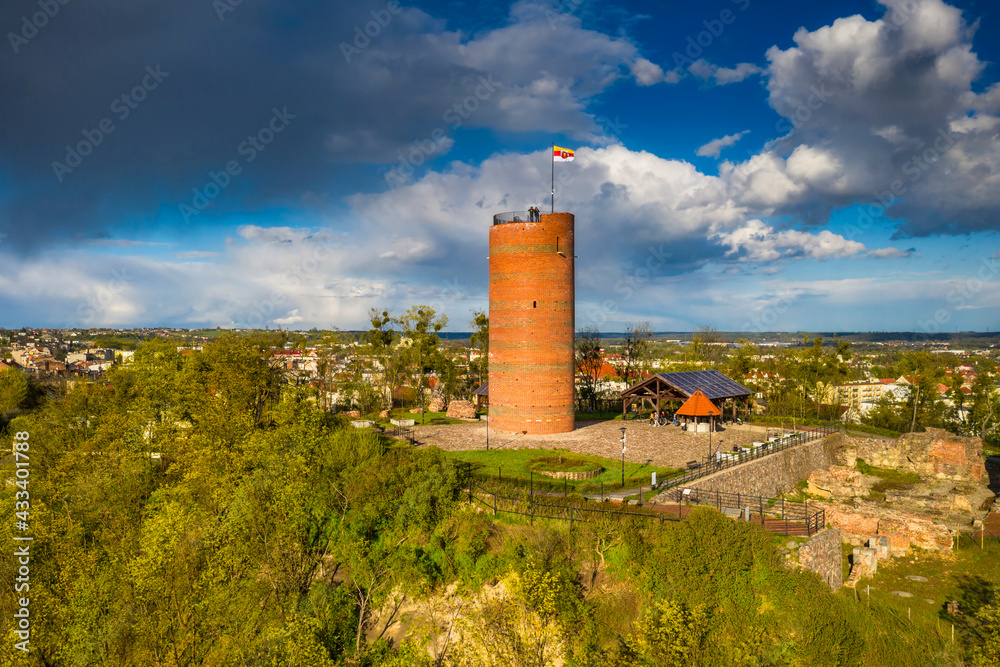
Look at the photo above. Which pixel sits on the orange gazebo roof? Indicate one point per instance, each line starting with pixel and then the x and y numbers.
pixel 698 406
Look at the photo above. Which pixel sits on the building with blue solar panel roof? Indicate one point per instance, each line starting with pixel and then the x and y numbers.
pixel 660 389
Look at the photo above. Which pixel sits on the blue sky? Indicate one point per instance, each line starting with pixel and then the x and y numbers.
pixel 743 164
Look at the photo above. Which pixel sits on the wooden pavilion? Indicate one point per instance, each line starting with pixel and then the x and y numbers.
pixel 699 406
pixel 482 394
pixel 663 388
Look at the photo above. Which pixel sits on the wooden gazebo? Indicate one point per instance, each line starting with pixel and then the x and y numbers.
pixel 699 406
pixel 665 387
pixel 482 394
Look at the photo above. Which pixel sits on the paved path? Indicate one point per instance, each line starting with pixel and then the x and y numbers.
pixel 616 496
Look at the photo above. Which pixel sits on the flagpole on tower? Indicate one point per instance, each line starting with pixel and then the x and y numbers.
pixel 552 160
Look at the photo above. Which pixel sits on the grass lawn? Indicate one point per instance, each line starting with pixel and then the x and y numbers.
pixel 512 465
pixel 967 577
pixel 891 479
pixel 563 463
pixel 429 418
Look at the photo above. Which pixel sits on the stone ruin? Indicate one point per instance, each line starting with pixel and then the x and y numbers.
pixel 462 410
pixel 935 454
pixel 864 560
pixel 952 491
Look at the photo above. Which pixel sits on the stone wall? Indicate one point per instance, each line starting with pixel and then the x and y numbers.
pixel 935 454
pixel 577 476
pixel 822 555
pixel 859 522
pixel 774 474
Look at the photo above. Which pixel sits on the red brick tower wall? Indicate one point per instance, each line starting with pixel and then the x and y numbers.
pixel 532 324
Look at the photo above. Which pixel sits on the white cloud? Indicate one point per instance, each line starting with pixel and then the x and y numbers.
pixel 292 317
pixel 760 242
pixel 195 254
pixel 705 70
pixel 870 104
pixel 715 146
pixel 891 253
pixel 648 73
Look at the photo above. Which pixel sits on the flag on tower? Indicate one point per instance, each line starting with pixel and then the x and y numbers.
pixel 562 154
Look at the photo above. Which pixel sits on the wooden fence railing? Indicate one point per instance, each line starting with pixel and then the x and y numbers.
pixel 775 514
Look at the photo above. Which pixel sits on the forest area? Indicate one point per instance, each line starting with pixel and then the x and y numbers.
pixel 271 532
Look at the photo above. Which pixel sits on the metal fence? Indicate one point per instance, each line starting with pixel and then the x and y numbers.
pixel 405 433
pixel 534 506
pixel 722 460
pixel 511 216
pixel 775 514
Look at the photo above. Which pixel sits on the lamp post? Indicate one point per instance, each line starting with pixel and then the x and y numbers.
pixel 623 457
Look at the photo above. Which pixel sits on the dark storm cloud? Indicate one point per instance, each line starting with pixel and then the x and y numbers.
pixel 139 142
pixel 90 139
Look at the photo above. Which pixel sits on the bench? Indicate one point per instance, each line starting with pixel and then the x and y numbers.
pixel 693 465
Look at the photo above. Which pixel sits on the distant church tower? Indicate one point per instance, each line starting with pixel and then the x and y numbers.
pixel 532 323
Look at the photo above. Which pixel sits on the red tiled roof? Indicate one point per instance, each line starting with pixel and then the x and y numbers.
pixel 698 406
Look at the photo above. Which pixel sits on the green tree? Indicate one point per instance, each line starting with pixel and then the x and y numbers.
pixel 635 351
pixel 706 343
pixel 589 362
pixel 382 342
pixel 421 324
pixel 480 341
pixel 985 406
pixel 516 628
pixel 13 391
pixel 672 635
pixel 987 653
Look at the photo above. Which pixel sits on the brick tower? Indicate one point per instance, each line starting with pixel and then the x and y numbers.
pixel 532 323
